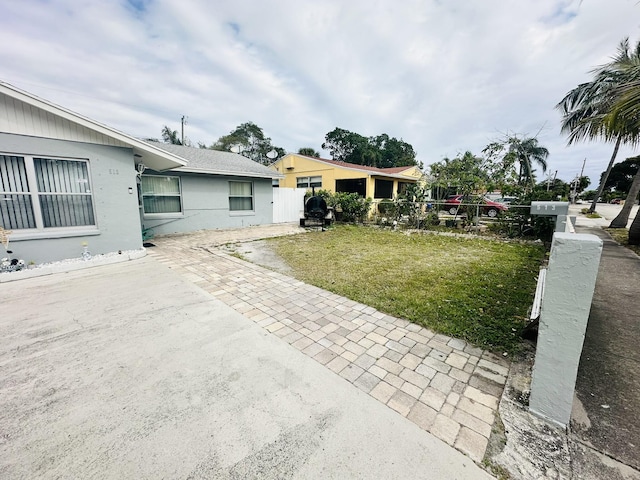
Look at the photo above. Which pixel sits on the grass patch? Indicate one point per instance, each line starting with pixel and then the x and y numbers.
pixel 621 235
pixel 470 288
pixel 585 212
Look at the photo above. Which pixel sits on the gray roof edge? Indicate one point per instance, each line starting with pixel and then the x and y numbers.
pixel 230 173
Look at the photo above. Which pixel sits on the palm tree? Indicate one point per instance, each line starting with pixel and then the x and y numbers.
pixel 627 109
pixel 309 152
pixel 527 151
pixel 523 151
pixel 623 217
pixel 634 231
pixel 587 109
pixel 170 136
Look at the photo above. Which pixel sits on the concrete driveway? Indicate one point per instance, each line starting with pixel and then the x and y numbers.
pixel 131 371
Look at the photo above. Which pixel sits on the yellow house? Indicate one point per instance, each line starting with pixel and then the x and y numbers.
pixel 301 171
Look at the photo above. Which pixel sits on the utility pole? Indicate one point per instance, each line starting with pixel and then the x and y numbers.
pixel 549 180
pixel 576 182
pixel 183 122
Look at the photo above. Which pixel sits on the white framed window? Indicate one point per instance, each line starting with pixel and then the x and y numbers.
pixel 42 194
pixel 241 196
pixel 308 182
pixel 161 195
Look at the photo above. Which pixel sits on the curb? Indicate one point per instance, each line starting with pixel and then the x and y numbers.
pixel 71 266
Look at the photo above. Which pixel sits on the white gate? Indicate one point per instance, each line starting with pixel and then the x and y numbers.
pixel 288 204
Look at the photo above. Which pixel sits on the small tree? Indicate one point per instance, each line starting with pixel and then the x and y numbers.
pixel 466 174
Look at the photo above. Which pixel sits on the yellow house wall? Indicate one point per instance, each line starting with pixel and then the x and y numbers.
pixel 413 172
pixel 307 167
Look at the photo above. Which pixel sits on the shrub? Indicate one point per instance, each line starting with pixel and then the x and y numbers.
pixel 351 206
pixel 387 207
pixel 512 224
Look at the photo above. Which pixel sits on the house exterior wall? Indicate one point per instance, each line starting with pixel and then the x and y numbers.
pixel 293 166
pixel 413 171
pixel 20 118
pixel 300 166
pixel 112 175
pixel 205 200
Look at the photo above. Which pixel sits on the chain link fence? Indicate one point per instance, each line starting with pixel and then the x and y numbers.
pixel 510 221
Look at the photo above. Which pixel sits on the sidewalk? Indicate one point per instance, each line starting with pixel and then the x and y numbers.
pixel 607 407
pixel 603 438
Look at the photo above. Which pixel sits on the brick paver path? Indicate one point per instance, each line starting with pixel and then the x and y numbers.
pixel 443 385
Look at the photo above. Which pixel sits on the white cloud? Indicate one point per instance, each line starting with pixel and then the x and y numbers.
pixel 445 76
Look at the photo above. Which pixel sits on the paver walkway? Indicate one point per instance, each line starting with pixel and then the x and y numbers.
pixel 443 385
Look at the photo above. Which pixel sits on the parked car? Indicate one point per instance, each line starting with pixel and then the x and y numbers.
pixel 487 207
pixel 505 200
pixel 615 201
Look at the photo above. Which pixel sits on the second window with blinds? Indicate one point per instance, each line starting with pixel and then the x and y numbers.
pixel 241 197
pixel 161 195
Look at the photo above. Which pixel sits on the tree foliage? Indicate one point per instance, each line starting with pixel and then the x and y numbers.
pixel 607 106
pixel 379 151
pixel 465 174
pixel 513 158
pixel 621 175
pixel 251 141
pixel 170 136
pixel 309 152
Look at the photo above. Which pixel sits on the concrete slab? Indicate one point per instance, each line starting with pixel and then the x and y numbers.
pixel 130 371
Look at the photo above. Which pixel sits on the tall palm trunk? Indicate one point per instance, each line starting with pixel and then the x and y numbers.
pixel 623 217
pixel 634 231
pixel 606 175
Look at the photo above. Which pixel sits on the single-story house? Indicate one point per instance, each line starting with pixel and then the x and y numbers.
pixel 67 181
pixel 301 171
pixel 213 190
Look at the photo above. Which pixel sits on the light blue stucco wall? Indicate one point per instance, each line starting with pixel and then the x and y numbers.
pixel 206 205
pixel 112 174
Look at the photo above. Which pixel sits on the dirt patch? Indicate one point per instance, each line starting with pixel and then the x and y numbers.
pixel 258 252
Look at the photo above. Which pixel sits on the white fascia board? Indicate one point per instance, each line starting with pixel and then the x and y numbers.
pixel 170 160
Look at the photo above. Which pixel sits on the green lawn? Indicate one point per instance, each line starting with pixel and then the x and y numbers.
pixel 470 288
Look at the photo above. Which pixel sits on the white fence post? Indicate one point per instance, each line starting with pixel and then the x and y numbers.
pixel 570 283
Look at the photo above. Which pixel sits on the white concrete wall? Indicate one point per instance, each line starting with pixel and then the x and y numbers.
pixel 570 283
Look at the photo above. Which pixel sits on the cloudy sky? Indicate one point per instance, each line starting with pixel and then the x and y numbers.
pixel 444 75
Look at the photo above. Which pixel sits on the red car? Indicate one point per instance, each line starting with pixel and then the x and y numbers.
pixel 487 207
